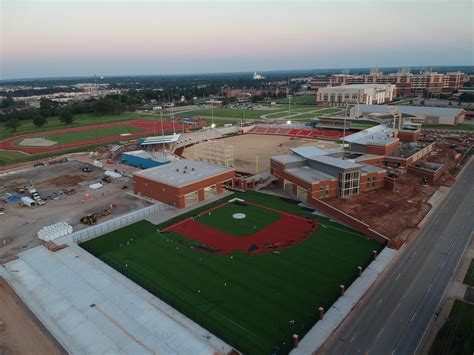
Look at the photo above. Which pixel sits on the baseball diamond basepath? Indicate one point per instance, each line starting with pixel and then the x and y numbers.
pixel 253 301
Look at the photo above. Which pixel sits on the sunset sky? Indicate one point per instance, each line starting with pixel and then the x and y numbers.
pixel 76 38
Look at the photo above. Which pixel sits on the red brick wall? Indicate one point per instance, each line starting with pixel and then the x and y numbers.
pixel 383 150
pixel 379 181
pixel 431 175
pixel 409 136
pixel 173 195
pixel 349 220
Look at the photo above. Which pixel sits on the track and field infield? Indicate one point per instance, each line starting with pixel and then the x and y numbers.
pixel 88 135
pixel 253 301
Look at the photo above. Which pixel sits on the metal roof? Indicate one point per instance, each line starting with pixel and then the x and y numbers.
pixel 376 134
pixel 161 139
pixel 307 152
pixel 287 158
pixel 372 169
pixel 183 172
pixel 335 162
pixel 412 110
pixel 308 174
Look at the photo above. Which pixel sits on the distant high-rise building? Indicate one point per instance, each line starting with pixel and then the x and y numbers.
pixel 406 83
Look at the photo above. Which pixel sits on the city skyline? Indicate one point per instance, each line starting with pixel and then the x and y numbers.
pixel 57 39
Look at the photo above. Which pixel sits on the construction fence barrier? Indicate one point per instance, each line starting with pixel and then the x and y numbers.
pixel 91 232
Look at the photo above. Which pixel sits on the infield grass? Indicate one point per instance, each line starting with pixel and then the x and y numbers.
pixel 253 302
pixel 256 218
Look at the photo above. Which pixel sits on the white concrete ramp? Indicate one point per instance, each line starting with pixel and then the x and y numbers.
pixel 92 309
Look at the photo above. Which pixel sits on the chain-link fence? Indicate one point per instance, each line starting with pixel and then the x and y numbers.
pixel 88 233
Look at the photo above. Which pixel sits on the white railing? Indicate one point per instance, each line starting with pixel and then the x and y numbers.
pixel 91 232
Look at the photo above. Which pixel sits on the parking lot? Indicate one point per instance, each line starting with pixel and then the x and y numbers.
pixel 20 224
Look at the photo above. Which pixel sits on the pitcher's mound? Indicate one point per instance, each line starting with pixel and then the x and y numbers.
pixel 37 142
pixel 239 215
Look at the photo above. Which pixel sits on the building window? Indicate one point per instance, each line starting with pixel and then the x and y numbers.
pixel 327 190
pixel 348 184
pixel 321 192
pixel 374 181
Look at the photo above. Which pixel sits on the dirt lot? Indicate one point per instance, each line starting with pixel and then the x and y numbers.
pixel 395 214
pixel 20 331
pixel 248 146
pixel 21 224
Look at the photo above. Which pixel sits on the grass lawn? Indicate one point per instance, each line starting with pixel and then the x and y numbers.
pixel 79 121
pixel 253 302
pixel 9 157
pixel 232 113
pixel 256 219
pixel 456 335
pixel 300 100
pixel 72 137
pixel 469 278
pixel 459 127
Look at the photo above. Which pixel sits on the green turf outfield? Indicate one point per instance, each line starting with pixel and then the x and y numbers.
pixel 79 136
pixel 256 218
pixel 253 302
pixel 9 157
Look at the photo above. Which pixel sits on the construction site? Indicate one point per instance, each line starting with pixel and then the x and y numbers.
pixel 66 196
pixel 380 183
pixel 252 152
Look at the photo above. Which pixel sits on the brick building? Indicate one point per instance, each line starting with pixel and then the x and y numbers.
pixel 406 84
pixel 362 93
pixel 312 173
pixel 183 182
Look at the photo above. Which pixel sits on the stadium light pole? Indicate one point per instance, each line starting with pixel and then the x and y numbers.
pixel 172 117
pixel 161 120
pixel 212 114
pixel 289 107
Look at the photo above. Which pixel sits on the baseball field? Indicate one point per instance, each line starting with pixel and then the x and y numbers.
pixel 253 281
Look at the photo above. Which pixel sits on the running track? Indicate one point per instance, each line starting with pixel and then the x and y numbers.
pixel 150 128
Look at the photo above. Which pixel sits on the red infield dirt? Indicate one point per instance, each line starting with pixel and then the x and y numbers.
pixel 151 128
pixel 285 232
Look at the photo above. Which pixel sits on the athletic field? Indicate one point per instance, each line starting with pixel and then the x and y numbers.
pixel 253 282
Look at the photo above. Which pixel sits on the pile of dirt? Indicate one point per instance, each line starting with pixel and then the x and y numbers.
pixel 394 214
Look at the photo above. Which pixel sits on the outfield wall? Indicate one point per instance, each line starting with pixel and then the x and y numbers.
pixel 91 232
pixel 349 220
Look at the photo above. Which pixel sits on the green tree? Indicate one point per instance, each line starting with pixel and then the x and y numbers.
pixel 66 116
pixel 7 102
pixel 48 107
pixel 13 123
pixel 39 120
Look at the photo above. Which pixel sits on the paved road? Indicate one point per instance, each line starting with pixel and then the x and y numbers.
pixel 393 317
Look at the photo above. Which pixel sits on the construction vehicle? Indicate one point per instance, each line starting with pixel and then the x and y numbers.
pixel 90 219
pixel 107 179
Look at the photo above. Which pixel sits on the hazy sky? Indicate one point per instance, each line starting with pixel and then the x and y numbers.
pixel 42 38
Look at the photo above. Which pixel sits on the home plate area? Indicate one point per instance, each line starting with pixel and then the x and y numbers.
pixel 243 225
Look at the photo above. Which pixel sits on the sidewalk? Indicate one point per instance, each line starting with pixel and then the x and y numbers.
pixel 456 290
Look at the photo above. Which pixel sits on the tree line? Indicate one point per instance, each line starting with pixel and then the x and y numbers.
pixel 13 117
